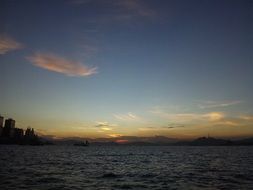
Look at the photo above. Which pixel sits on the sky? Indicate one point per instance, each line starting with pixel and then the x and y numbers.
pixel 96 68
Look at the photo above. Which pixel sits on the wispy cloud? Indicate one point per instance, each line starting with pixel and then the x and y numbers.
pixel 216 104
pixel 58 64
pixel 246 117
pixel 173 126
pixel 188 117
pixel 105 126
pixel 8 44
pixel 197 120
pixel 228 122
pixel 127 117
pixel 213 116
pixel 115 135
pixel 234 121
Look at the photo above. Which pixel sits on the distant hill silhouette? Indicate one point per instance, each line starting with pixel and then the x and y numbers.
pixel 210 141
pixel 154 141
pixel 248 141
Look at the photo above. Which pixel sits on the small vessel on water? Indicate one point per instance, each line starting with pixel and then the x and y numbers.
pixel 86 143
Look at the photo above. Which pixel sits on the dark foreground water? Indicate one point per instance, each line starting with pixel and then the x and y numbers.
pixel 125 167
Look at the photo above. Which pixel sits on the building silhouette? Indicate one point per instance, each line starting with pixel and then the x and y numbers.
pixel 30 137
pixel 8 130
pixel 1 124
pixel 29 132
pixel 9 134
pixel 9 123
pixel 18 133
pixel 1 121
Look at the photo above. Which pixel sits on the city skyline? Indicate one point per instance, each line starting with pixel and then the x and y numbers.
pixel 93 68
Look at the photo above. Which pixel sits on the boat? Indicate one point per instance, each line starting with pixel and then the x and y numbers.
pixel 86 143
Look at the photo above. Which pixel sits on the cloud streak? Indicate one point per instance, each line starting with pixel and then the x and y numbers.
pixel 127 117
pixel 189 117
pixel 105 126
pixel 214 104
pixel 246 117
pixel 58 64
pixel 208 119
pixel 173 126
pixel 8 44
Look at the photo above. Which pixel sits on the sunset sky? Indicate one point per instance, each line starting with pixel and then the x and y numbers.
pixel 108 68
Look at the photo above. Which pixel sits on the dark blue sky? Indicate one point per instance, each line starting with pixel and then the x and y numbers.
pixel 128 67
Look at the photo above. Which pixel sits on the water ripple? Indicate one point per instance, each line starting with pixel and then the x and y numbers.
pixel 133 167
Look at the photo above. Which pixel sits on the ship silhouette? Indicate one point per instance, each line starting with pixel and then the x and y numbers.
pixel 86 143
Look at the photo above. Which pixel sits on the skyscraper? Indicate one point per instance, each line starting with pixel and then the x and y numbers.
pixel 9 123
pixel 9 126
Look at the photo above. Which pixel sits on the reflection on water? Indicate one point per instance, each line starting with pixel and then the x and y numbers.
pixel 125 167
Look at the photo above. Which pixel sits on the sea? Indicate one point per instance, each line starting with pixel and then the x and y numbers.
pixel 125 167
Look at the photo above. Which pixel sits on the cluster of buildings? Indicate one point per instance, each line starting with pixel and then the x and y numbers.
pixel 10 134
